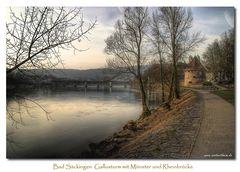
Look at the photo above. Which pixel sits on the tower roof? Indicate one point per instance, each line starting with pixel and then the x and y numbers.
pixel 195 64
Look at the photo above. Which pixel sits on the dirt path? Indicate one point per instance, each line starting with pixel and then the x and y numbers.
pixel 216 137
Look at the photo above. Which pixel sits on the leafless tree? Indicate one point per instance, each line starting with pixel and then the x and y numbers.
pixel 159 47
pixel 35 36
pixel 127 44
pixel 212 57
pixel 228 51
pixel 219 57
pixel 34 40
pixel 175 24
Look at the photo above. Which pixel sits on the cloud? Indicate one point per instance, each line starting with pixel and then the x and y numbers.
pixel 104 15
pixel 94 57
pixel 229 17
pixel 210 21
pixel 213 20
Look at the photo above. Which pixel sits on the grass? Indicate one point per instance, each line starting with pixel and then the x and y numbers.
pixel 227 95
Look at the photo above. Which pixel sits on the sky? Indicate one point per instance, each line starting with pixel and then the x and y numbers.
pixel 210 21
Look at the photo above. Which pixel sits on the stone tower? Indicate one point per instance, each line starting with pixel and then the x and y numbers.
pixel 194 74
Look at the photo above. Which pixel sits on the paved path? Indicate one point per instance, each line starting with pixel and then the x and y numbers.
pixel 216 137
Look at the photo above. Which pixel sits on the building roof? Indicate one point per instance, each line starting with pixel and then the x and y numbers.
pixel 195 64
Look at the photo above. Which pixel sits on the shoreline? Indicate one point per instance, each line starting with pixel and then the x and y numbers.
pixel 166 134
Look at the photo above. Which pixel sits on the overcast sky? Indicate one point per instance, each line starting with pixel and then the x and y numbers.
pixel 211 21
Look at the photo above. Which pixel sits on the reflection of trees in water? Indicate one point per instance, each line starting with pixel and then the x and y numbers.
pixel 17 107
pixel 21 105
pixel 34 39
pixel 12 144
pixel 153 98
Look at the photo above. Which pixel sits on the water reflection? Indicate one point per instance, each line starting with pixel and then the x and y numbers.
pixel 79 118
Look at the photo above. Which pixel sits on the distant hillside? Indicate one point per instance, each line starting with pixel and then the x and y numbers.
pixel 73 74
pixel 90 74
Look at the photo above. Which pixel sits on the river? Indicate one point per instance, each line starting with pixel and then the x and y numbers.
pixel 75 119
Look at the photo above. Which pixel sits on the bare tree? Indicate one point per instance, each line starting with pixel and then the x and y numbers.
pixel 159 47
pixel 227 44
pixel 212 57
pixel 219 57
pixel 126 44
pixel 34 39
pixel 175 24
pixel 36 36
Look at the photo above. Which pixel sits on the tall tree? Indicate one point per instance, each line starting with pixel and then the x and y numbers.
pixel 159 47
pixel 175 24
pixel 212 57
pixel 220 57
pixel 36 36
pixel 127 46
pixel 227 44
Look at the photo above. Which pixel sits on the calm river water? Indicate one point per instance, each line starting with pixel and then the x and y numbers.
pixel 78 118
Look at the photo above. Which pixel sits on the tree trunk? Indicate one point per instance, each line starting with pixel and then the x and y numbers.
pixel 175 72
pixel 161 75
pixel 176 83
pixel 174 55
pixel 170 96
pixel 163 94
pixel 145 110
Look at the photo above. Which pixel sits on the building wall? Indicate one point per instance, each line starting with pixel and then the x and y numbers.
pixel 193 77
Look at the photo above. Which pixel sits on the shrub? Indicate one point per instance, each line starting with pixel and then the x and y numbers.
pixel 207 83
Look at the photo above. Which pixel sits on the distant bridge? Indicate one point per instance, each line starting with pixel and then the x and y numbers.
pixel 85 84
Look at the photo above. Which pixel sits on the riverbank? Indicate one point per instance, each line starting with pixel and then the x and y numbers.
pixel 166 134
